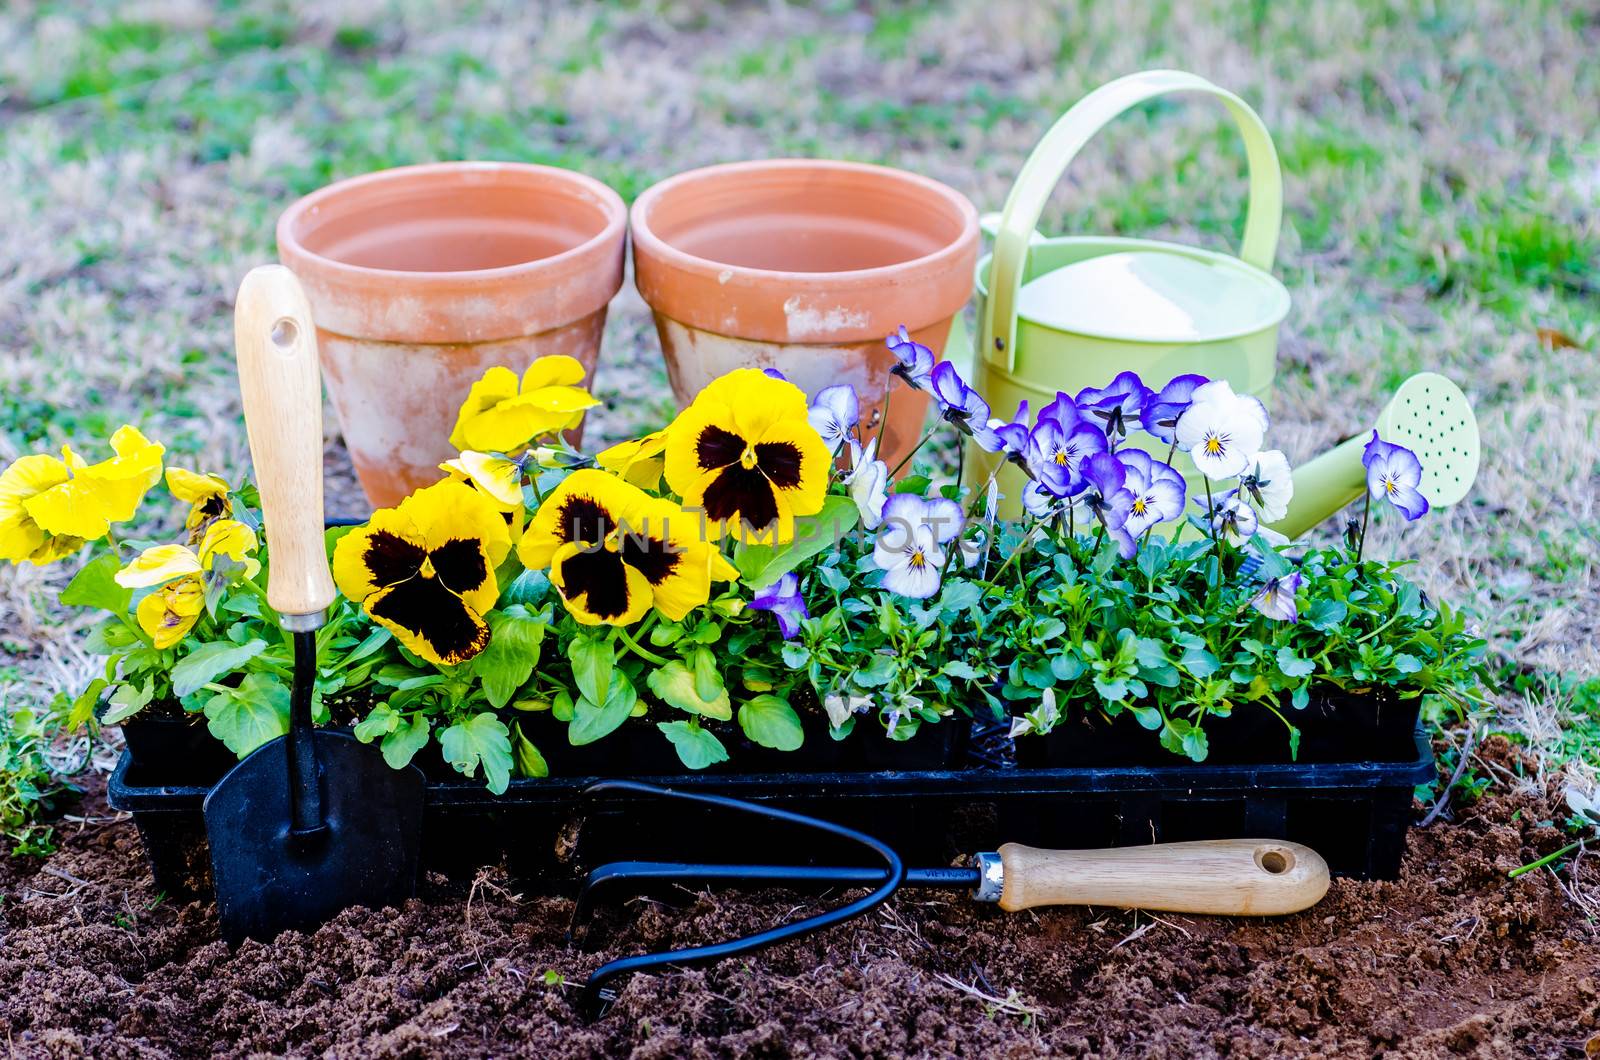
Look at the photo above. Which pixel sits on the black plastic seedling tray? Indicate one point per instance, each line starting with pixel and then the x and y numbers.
pixel 548 833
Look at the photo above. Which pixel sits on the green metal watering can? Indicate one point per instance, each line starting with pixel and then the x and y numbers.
pixel 1061 314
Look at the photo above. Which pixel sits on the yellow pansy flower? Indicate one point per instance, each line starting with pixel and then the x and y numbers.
pixel 639 461
pixel 500 416
pixel 49 507
pixel 206 494
pixel 424 570
pixel 160 564
pixel 614 551
pixel 169 613
pixel 745 453
pixel 22 539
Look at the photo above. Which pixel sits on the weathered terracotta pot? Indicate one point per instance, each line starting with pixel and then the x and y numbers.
pixel 423 277
pixel 804 266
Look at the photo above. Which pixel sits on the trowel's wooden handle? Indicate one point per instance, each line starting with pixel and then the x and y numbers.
pixel 281 383
pixel 1231 877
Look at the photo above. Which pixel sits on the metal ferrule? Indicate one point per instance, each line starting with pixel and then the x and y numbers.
pixel 303 623
pixel 991 878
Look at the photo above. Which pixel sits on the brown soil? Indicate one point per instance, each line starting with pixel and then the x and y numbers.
pixel 1453 959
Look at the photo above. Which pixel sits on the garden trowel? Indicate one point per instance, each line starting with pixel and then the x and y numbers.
pixel 313 821
pixel 1428 415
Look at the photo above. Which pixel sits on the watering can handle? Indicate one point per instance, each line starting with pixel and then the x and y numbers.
pixel 280 381
pixel 1049 160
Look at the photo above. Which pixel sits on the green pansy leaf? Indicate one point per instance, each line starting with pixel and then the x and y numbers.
pixel 507 663
pixel 83 707
pixel 771 722
pixel 1149 717
pixel 1405 663
pixel 696 747
pixel 707 681
pixel 1293 665
pixel 126 701
pixel 761 565
pixel 96 586
pixel 402 745
pixel 591 722
pixel 380 722
pixel 878 672
pixel 482 740
pixel 246 717
pixel 675 685
pixel 110 637
pixel 593 659
pixel 957 668
pixel 1324 616
pixel 530 763
pixel 1066 666
pixel 210 661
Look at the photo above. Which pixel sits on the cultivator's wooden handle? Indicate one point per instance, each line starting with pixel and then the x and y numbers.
pixel 1230 877
pixel 281 383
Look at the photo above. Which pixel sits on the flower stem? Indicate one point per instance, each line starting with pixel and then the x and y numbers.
pixel 1546 860
pixel 883 413
pixel 633 646
pixel 1366 512
pixel 1216 541
pixel 907 458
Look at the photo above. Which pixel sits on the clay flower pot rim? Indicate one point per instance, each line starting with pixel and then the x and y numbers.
pixel 606 199
pixel 644 237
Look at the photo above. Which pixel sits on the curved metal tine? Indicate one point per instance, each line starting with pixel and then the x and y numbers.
pixel 597 996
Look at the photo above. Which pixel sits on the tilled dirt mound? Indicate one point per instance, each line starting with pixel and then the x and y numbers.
pixel 1453 959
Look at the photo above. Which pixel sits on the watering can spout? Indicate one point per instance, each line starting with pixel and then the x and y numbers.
pixel 1323 485
pixel 1428 415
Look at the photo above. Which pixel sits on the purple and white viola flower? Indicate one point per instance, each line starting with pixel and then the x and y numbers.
pixel 1230 516
pixel 1268 485
pixel 1221 430
pixel 916 360
pixel 907 707
pixel 1161 412
pixel 834 414
pixel 1117 407
pixel 910 545
pixel 869 485
pixel 1155 488
pixel 958 402
pixel 1393 474
pixel 1000 436
pixel 1056 454
pixel 1040 502
pixel 1276 598
pixel 1107 499
pixel 783 599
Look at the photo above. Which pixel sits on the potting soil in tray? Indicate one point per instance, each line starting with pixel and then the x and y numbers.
pixel 548 834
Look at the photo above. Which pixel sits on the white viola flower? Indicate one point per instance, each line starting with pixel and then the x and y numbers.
pixel 869 485
pixel 1221 430
pixel 840 708
pixel 1041 720
pixel 834 413
pixel 1268 484
pixel 910 545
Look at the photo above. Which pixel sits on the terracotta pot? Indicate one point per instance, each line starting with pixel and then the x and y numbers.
pixel 804 266
pixel 423 277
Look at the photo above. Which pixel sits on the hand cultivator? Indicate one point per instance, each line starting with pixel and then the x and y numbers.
pixel 1226 877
